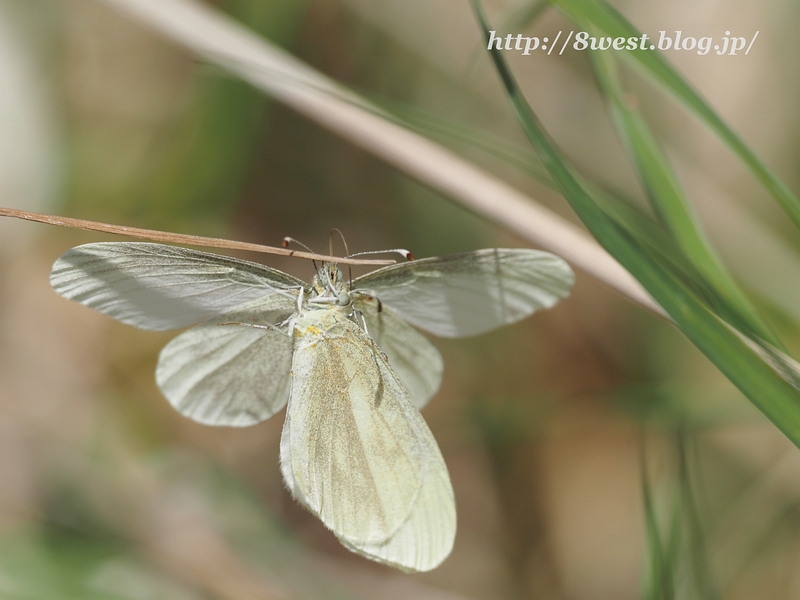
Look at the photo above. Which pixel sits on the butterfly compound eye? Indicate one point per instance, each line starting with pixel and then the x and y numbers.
pixel 343 299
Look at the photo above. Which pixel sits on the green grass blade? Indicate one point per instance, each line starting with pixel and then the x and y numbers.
pixel 597 14
pixel 646 230
pixel 698 552
pixel 770 390
pixel 525 160
pixel 660 584
pixel 671 204
pixel 675 536
pixel 524 15
pixel 458 135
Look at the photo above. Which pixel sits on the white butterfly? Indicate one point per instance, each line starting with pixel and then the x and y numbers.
pixel 354 449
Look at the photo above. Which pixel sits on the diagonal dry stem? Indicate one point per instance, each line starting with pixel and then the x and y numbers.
pixel 221 40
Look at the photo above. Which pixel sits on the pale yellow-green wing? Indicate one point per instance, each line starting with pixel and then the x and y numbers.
pixel 355 450
pixel 466 294
pixel 159 287
pixel 354 456
pixel 415 361
pixel 426 538
pixel 229 374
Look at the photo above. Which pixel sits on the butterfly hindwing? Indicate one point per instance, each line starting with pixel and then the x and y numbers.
pixel 229 374
pixel 415 361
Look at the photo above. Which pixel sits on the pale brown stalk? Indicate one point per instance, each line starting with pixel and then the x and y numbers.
pixel 180 238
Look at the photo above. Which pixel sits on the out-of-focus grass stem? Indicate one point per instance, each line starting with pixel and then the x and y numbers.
pixel 217 38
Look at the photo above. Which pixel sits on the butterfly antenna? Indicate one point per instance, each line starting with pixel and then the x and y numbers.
pixel 290 240
pixel 346 253
pixel 404 253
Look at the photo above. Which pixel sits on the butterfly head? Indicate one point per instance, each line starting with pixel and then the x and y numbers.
pixel 330 284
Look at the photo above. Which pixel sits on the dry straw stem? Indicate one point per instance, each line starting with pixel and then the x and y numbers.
pixel 180 238
pixel 221 40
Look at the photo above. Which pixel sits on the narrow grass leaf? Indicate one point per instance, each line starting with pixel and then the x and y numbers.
pixel 600 16
pixel 523 15
pixel 670 202
pixel 459 135
pixel 702 576
pixel 660 577
pixel 771 391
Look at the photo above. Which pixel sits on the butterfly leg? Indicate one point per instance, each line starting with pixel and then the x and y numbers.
pixel 254 326
pixel 358 317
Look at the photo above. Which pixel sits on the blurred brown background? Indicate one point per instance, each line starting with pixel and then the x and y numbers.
pixel 565 435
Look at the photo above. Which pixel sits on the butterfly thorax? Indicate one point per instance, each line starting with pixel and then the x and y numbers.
pixel 314 324
pixel 328 304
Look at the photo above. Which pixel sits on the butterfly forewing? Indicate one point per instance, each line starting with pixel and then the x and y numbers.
pixel 415 361
pixel 426 538
pixel 286 456
pixel 229 374
pixel 358 448
pixel 466 294
pixel 159 287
